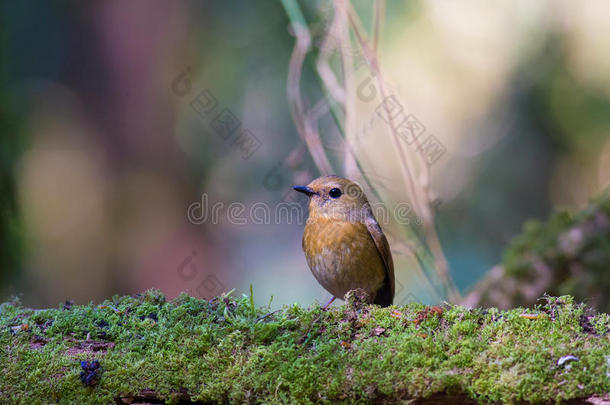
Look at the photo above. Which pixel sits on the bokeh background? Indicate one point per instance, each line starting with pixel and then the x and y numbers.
pixel 102 151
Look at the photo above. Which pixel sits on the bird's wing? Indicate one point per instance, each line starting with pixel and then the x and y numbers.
pixel 383 247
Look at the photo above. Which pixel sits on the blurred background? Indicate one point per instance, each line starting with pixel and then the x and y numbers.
pixel 125 123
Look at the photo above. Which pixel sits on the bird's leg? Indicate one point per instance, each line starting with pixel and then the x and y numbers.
pixel 325 307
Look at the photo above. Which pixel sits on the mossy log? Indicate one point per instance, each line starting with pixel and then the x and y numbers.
pixel 144 349
pixel 567 254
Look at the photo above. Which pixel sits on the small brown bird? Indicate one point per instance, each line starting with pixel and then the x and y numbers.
pixel 344 245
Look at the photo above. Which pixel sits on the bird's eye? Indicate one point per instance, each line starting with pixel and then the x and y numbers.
pixel 334 193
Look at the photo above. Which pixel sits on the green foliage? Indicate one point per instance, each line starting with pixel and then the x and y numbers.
pixel 228 351
pixel 571 250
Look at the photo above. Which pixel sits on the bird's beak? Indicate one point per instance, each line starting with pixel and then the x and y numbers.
pixel 305 190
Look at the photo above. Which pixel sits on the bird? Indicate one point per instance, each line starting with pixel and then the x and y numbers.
pixel 344 245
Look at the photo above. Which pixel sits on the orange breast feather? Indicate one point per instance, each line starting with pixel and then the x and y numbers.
pixel 342 256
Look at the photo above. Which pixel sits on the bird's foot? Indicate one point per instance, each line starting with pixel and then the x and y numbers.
pixel 325 307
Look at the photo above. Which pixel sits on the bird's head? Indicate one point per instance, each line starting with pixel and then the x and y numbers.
pixel 335 197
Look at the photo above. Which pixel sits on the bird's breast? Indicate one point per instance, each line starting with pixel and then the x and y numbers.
pixel 342 256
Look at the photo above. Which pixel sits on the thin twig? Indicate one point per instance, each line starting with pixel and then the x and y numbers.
pixel 260 318
pixel 308 132
pixel 407 170
pixel 378 18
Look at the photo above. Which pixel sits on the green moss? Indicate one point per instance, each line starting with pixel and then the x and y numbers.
pixel 228 351
pixel 573 248
pixel 566 255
